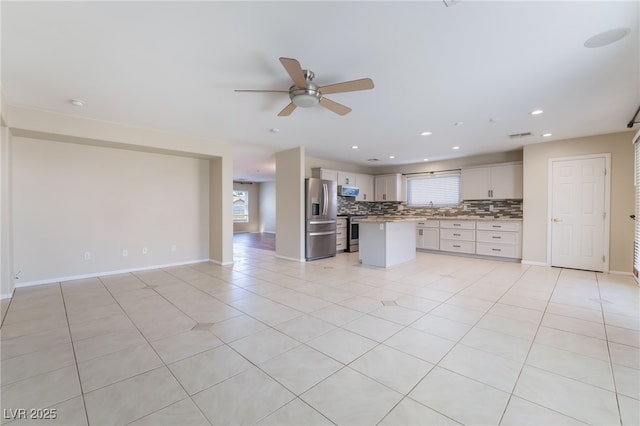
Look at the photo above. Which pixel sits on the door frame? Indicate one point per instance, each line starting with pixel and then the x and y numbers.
pixel 607 201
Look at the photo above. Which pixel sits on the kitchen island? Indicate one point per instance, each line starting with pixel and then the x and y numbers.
pixel 386 242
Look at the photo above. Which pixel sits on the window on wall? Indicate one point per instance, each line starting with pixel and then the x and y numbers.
pixel 240 206
pixel 434 189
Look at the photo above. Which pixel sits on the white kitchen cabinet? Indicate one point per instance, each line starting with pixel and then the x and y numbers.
pixel 495 182
pixel 322 173
pixel 341 234
pixel 428 235
pixel 499 238
pixel 388 187
pixel 365 184
pixel 346 178
pixel 458 236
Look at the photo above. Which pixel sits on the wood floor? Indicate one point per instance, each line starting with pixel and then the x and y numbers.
pixel 258 240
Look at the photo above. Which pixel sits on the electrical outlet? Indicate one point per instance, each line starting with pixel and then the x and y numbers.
pixel 174 248
pixel 490 207
pixel 87 255
pixel 145 250
pixel 125 253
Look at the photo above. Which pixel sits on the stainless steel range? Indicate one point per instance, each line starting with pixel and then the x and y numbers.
pixel 353 233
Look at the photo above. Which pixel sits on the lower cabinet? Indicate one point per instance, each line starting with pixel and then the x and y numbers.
pixel 458 236
pixel 428 235
pixel 499 239
pixel 341 235
pixel 485 238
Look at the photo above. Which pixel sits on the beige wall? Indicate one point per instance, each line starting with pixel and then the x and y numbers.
pixel 290 169
pixel 69 199
pixel 216 156
pixel 535 203
pixel 254 207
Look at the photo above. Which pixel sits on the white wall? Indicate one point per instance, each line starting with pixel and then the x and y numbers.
pixel 6 227
pixel 535 198
pixel 268 207
pixel 69 199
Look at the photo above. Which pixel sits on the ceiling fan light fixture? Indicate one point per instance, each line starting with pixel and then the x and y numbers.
pixel 606 38
pixel 306 100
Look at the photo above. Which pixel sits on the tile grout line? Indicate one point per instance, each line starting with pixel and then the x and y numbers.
pixel 75 357
pixel 524 362
pixel 613 375
pixel 154 350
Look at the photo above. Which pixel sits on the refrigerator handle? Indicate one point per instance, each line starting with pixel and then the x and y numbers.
pixel 325 199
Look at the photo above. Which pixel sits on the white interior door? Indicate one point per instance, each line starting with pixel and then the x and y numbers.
pixel 578 213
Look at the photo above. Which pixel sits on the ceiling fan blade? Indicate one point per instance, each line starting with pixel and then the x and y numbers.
pixel 287 110
pixel 261 91
pixel 348 86
pixel 334 106
pixel 295 71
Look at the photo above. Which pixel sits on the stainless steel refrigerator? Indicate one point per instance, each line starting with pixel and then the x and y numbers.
pixel 321 208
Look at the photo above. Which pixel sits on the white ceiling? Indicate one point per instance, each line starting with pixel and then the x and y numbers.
pixel 173 66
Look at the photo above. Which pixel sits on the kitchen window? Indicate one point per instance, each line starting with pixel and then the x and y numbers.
pixel 241 206
pixel 434 189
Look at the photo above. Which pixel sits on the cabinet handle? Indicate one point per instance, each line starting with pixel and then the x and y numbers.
pixel 364 197
pixel 456 246
pixel 496 249
pixel 456 235
pixel 456 224
pixel 497 238
pixel 420 232
pixel 384 196
pixel 489 193
pixel 496 226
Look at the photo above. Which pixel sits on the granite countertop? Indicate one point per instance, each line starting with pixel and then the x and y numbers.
pixel 424 218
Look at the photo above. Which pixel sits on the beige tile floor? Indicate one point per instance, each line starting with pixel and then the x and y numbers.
pixel 441 340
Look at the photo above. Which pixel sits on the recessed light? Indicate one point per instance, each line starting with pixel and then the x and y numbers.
pixel 425 133
pixel 77 102
pixel 536 112
pixel 458 123
pixel 606 38
pixel 426 159
pixel 546 135
pixel 274 130
pixel 455 147
pixel 354 147
pixel 392 157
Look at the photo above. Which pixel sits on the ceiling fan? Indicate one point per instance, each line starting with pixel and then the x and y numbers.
pixel 305 93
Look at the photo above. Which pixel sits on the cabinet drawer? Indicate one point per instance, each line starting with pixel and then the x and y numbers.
pixel 341 233
pixel 341 244
pixel 341 223
pixel 502 250
pixel 498 226
pixel 497 237
pixel 457 234
pixel 428 224
pixel 458 224
pixel 458 246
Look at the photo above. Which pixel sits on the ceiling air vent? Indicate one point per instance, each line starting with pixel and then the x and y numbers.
pixel 520 135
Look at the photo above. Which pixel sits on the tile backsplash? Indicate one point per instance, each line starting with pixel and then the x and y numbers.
pixel 476 208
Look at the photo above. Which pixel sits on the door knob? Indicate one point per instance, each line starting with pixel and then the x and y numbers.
pixel 555 219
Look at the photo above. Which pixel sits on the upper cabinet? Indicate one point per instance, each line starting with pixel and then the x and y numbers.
pixel 328 174
pixel 494 182
pixel 346 178
pixel 388 187
pixel 365 183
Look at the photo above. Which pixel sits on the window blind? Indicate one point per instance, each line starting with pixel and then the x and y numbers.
pixel 439 189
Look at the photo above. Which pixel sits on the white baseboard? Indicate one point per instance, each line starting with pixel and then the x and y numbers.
pixel 293 259
pixel 529 262
pixel 217 262
pixel 105 273
pixel 629 274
